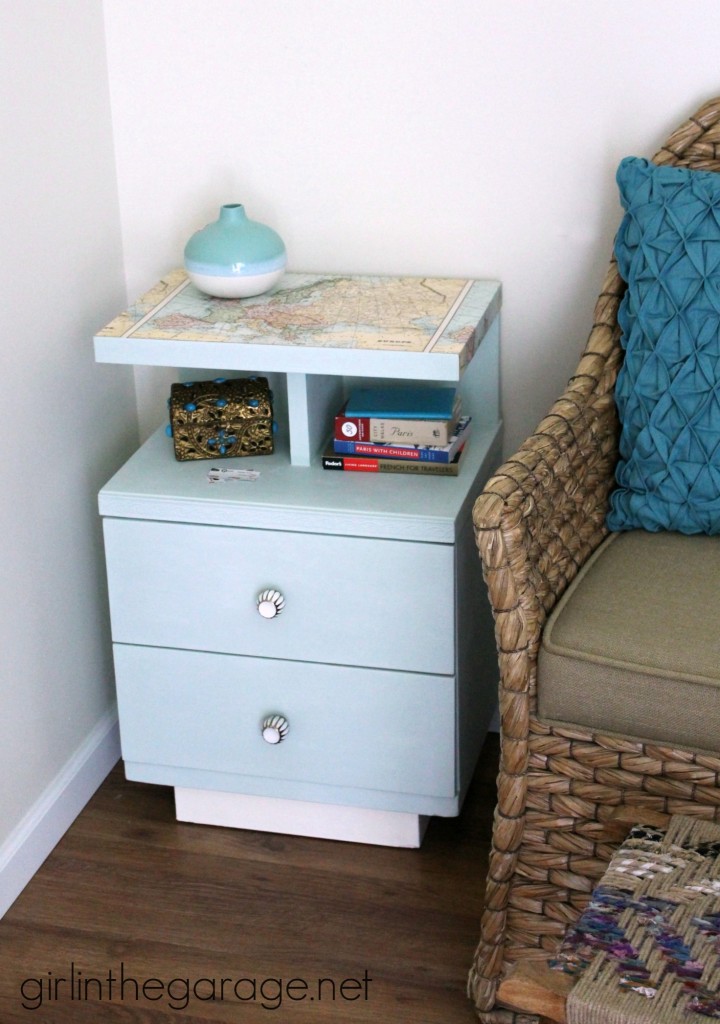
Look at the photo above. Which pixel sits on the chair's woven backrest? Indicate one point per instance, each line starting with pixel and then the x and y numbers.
pixel 543 512
pixel 696 143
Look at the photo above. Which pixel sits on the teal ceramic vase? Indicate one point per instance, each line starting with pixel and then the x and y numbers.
pixel 235 257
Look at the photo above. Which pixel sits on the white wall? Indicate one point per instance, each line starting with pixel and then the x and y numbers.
pixel 67 423
pixel 467 137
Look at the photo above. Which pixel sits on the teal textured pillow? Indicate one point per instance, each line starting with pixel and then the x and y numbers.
pixel 668 388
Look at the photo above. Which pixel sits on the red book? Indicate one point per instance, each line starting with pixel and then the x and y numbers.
pixel 383 430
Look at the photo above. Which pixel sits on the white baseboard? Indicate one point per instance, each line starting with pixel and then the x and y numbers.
pixel 54 812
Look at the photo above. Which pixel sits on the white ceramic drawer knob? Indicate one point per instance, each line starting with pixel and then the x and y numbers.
pixel 270 603
pixel 275 728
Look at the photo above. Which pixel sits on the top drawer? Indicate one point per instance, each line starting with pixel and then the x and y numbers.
pixel 348 600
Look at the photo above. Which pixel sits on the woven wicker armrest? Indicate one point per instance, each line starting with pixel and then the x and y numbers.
pixel 542 514
pixel 537 520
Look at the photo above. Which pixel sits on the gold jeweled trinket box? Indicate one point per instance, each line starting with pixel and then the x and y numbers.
pixel 221 418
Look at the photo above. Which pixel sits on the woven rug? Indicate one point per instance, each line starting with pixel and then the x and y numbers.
pixel 647 949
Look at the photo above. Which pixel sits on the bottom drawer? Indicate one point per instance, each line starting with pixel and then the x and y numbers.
pixel 362 728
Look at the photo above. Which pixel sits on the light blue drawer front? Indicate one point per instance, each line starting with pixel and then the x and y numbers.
pixel 348 600
pixel 377 730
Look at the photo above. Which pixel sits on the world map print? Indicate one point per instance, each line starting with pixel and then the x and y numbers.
pixel 410 314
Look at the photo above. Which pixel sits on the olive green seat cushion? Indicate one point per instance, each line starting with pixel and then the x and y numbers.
pixel 633 646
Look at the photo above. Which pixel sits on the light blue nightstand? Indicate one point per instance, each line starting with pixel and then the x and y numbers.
pixel 360 710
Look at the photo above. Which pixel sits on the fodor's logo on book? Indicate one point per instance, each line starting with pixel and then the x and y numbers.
pixel 333 464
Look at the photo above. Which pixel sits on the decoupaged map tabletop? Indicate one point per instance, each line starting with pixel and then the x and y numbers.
pixel 391 314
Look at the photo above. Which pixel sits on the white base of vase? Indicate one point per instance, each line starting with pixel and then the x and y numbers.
pixel 235 287
pixel 300 818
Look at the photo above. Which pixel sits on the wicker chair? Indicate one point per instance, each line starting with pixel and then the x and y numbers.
pixel 537 521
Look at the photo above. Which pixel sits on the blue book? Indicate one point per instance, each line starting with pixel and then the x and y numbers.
pixel 405 402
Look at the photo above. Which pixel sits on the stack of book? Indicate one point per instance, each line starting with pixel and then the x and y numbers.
pixel 401 429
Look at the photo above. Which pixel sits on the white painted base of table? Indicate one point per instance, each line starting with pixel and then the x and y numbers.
pixel 300 818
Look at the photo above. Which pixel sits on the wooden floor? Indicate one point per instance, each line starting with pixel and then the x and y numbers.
pixel 136 918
